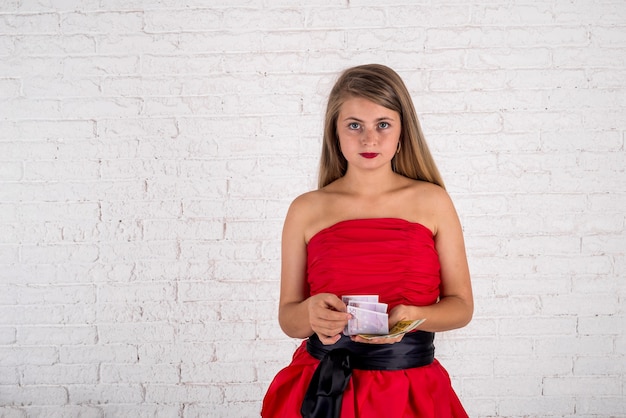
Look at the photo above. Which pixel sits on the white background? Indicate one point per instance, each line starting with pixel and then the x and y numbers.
pixel 149 151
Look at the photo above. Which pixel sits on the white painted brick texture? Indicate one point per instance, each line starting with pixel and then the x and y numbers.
pixel 150 149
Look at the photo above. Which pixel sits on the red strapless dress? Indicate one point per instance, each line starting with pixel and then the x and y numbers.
pixel 396 260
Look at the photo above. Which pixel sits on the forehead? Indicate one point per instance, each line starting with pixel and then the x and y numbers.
pixel 360 107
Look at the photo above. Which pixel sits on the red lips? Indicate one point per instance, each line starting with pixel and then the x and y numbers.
pixel 369 154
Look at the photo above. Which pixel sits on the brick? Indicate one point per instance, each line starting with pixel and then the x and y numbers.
pixel 53 294
pixel 193 352
pixel 606 78
pixel 59 374
pixel 136 292
pixel 91 354
pixel 503 387
pixel 222 331
pixel 65 411
pixel 194 229
pixel 93 108
pixel 101 66
pixel 577 304
pixel 20 355
pixel 601 324
pixel 168 65
pixel 572 345
pixel 598 386
pixel 33 395
pixel 101 22
pixel 534 406
pixel 19 67
pixel 599 366
pixel 10 88
pixel 129 251
pixel 58 211
pixel 212 290
pixel 497 58
pixel 56 335
pixel 105 393
pixel 298 40
pixel 187 393
pixel 62 171
pixel 22 108
pixel 137 210
pixel 446 15
pixel 244 392
pixel 139 373
pixel 137 126
pixel 238 372
pixel 45 129
pixel 30 23
pixel 210 188
pixel 129 333
pixel 604 405
pixel 11 171
pixel 485 37
pixel 547 325
pixel 37 44
pixel 552 366
pixel 157 21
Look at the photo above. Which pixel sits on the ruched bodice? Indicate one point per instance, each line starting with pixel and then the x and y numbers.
pixel 390 257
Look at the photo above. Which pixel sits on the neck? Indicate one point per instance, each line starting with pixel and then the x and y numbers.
pixel 370 183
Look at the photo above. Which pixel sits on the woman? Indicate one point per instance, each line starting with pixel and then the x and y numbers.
pixel 380 223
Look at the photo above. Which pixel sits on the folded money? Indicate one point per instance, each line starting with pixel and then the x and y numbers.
pixel 402 327
pixel 368 315
pixel 366 322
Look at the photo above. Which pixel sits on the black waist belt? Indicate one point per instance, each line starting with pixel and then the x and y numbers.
pixel 324 394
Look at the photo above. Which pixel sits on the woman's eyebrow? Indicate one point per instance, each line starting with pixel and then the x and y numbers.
pixel 377 120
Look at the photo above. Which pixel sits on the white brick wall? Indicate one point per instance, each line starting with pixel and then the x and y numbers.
pixel 149 150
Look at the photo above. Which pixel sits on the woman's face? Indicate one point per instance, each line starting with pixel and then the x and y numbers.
pixel 368 133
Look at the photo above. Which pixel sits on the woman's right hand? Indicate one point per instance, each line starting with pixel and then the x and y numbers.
pixel 327 317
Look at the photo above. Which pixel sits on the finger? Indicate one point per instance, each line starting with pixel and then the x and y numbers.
pixel 328 340
pixel 326 332
pixel 334 303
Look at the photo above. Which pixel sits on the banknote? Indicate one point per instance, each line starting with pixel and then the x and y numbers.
pixel 368 315
pixel 402 327
pixel 359 298
pixel 369 306
pixel 365 321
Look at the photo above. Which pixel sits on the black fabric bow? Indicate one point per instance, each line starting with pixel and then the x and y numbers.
pixel 324 395
pixel 325 392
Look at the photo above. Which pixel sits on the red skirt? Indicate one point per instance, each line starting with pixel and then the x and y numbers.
pixel 420 392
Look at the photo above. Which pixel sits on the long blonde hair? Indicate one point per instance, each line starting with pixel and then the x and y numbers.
pixel 383 86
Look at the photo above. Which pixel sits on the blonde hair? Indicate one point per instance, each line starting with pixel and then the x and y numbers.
pixel 383 86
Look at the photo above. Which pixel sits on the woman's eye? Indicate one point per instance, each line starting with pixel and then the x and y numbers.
pixel 383 125
pixel 354 125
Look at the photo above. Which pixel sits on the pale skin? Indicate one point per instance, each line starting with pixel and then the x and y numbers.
pixel 370 189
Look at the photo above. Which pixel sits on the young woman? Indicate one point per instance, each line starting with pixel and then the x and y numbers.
pixel 380 223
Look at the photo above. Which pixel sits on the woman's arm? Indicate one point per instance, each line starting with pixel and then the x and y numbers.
pixel 300 315
pixel 456 304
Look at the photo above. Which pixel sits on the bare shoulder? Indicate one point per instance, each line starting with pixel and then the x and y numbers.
pixel 302 211
pixel 306 204
pixel 433 204
pixel 428 194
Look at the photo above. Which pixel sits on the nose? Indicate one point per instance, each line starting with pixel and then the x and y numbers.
pixel 369 137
